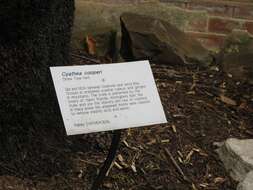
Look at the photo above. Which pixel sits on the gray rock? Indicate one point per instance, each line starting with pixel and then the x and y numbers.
pixel 145 37
pixel 247 183
pixel 237 156
pixel 237 56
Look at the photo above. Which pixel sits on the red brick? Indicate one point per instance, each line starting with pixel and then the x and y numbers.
pixel 241 1
pixel 245 12
pixel 180 4
pixel 249 27
pixel 209 40
pixel 213 8
pixel 225 2
pixel 224 26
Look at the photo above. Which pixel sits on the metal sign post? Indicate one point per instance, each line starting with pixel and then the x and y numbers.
pixel 109 160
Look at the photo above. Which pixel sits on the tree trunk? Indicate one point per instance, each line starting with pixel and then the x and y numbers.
pixel 33 36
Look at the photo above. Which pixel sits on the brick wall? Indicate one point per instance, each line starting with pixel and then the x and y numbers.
pixel 210 21
pixel 223 16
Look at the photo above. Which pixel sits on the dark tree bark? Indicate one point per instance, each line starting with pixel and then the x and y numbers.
pixel 34 34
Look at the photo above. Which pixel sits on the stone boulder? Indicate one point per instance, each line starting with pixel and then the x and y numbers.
pixel 247 183
pixel 237 57
pixel 237 156
pixel 145 37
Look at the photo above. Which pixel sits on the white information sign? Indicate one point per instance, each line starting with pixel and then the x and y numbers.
pixel 95 98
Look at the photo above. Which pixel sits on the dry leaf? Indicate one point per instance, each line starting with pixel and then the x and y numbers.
pixel 174 128
pixel 163 84
pixel 108 185
pixel 188 157
pixel 120 157
pixel 91 43
pixel 153 141
pixel 194 187
pixel 194 78
pixel 129 132
pixel 227 100
pixel 122 162
pixel 243 105
pixel 203 154
pixel 191 93
pixel 165 141
pixel 246 107
pixel 180 154
pixel 230 75
pixel 203 185
pixel 134 167
pixel 118 165
pixel 180 160
pixel 126 143
pixel 196 149
pixel 80 175
pixel 219 180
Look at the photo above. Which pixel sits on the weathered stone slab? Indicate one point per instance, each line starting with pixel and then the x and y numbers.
pixel 247 183
pixel 145 37
pixel 237 156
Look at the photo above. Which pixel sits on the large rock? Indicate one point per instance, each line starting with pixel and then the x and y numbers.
pixel 145 37
pixel 237 56
pixel 247 183
pixel 237 156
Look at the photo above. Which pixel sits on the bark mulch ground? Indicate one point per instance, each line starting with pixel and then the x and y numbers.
pixel 202 107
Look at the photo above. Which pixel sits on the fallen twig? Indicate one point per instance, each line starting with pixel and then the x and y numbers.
pixel 85 58
pixel 168 154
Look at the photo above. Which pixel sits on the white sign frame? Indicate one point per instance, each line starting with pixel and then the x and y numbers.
pixel 69 80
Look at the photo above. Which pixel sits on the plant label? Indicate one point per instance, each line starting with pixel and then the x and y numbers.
pixel 104 97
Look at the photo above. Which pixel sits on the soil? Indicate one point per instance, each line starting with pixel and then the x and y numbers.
pixel 202 107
